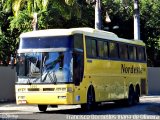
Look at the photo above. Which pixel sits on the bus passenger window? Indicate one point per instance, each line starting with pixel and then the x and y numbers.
pixel 91 47
pixel 100 48
pixel 105 50
pixel 132 53
pixel 94 52
pixel 123 52
pixel 141 53
pixel 113 51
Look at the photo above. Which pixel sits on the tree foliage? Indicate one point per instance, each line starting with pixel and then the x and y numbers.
pixel 16 17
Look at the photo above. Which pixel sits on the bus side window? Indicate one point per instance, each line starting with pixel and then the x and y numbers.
pixel 78 67
pixel 91 47
pixel 132 53
pixel 88 47
pixel 94 51
pixel 105 54
pixel 100 49
pixel 123 52
pixel 141 53
pixel 113 50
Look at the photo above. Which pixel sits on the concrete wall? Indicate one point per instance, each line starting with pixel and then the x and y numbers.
pixel 154 80
pixel 8 77
pixel 7 82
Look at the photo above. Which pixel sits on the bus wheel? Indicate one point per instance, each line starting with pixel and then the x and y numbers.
pixel 90 101
pixel 131 97
pixel 42 108
pixel 137 94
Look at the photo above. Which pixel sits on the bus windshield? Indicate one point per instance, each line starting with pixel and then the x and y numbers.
pixel 45 67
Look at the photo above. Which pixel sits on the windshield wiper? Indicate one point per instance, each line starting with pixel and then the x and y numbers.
pixel 52 79
pixel 29 80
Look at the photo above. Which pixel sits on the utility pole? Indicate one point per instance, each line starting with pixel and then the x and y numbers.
pixel 136 20
pixel 98 22
pixel 35 19
pixel 34 22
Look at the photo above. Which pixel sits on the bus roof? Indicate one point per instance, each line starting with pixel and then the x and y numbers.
pixel 86 31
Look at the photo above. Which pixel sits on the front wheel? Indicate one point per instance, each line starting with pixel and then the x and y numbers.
pixel 90 102
pixel 42 108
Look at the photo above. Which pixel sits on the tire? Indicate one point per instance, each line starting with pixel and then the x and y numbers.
pixel 137 95
pixel 131 97
pixel 42 108
pixel 90 105
pixel 136 98
pixel 54 106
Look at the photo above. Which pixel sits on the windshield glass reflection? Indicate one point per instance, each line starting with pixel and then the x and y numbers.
pixel 47 67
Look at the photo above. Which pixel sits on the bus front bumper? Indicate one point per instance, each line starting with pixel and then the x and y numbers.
pixel 44 98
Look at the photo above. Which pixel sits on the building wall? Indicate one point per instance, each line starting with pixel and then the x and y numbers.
pixel 7 82
pixel 8 77
pixel 153 80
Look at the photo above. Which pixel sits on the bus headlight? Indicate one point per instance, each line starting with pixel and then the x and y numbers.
pixel 21 97
pixel 69 89
pixel 21 89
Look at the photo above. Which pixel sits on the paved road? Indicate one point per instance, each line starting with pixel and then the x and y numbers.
pixel 149 108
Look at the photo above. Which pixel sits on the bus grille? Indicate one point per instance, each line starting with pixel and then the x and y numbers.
pixel 33 89
pixel 48 89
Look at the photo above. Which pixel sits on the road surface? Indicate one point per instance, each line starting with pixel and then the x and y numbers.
pixel 148 108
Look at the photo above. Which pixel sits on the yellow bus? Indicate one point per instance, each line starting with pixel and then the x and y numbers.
pixel 79 66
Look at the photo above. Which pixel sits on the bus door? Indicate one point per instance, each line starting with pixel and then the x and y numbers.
pixel 78 68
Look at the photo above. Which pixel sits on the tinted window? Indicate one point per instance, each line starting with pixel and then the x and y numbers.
pixel 78 65
pixel 113 51
pixel 78 42
pixel 123 51
pixel 132 52
pixel 91 47
pixel 88 47
pixel 100 48
pixel 105 49
pixel 94 52
pixel 141 53
pixel 46 42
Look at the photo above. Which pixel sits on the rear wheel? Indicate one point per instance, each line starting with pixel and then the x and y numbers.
pixel 137 94
pixel 42 108
pixel 131 97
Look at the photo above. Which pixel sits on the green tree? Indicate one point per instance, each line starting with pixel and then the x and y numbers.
pixel 16 17
pixel 122 15
pixel 150 29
